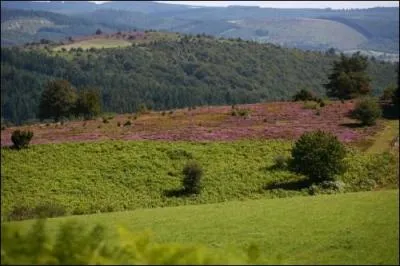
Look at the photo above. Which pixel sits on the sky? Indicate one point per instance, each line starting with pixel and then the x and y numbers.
pixel 289 4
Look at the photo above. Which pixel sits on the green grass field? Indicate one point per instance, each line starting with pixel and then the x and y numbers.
pixel 125 175
pixel 351 228
pixel 95 43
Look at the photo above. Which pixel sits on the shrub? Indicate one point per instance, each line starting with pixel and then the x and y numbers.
pixel 192 176
pixel 21 139
pixel 280 162
pixel 179 154
pixel 310 105
pixel 243 112
pixel 321 102
pixel 105 120
pixel 388 93
pixel 127 123
pixel 19 213
pixel 49 210
pixel 118 124
pixel 367 110
pixel 318 155
pixel 239 112
pixel 43 210
pixel 303 95
pixel 327 187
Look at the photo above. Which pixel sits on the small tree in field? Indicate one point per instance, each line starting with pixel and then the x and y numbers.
pixel 192 175
pixel 367 110
pixel 318 155
pixel 88 103
pixel 21 139
pixel 58 99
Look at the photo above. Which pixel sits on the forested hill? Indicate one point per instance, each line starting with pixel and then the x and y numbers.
pixel 173 73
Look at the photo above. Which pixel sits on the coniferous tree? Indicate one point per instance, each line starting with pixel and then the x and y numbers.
pixel 349 79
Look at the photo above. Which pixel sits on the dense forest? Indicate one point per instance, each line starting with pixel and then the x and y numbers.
pixel 189 71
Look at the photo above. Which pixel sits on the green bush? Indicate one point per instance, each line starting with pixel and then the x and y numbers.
pixel 76 244
pixel 21 139
pixel 43 210
pixel 240 112
pixel 310 105
pixel 321 102
pixel 192 176
pixel 303 95
pixel 280 162
pixel 318 155
pixel 388 93
pixel 367 110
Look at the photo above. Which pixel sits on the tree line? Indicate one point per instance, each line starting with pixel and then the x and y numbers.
pixel 189 71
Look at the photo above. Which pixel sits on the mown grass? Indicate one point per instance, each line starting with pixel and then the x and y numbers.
pixel 352 228
pixel 125 175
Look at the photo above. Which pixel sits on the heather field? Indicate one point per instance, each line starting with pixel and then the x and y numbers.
pixel 127 170
pixel 278 120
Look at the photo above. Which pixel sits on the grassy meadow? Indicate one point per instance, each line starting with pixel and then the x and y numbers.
pixel 95 43
pixel 124 175
pixel 351 228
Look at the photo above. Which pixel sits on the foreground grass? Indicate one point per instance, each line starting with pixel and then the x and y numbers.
pixel 352 228
pixel 117 175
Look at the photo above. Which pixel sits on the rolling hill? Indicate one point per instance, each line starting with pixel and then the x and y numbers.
pixel 366 29
pixel 354 228
pixel 168 70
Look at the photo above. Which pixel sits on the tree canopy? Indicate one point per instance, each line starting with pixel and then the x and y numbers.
pixel 166 74
pixel 349 78
pixel 88 103
pixel 58 100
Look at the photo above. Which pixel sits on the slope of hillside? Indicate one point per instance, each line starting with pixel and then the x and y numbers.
pixel 304 33
pixel 355 228
pixel 172 71
pixel 380 26
pixel 21 26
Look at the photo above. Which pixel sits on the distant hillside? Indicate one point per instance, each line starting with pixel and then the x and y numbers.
pixel 21 26
pixel 375 29
pixel 68 7
pixel 170 71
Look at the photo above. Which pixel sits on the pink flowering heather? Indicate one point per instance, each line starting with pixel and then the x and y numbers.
pixel 278 120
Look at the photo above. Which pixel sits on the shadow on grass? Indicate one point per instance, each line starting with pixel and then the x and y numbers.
pixel 177 192
pixel 390 111
pixel 288 184
pixel 352 125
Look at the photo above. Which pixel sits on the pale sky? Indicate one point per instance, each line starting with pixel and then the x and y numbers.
pixel 288 4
